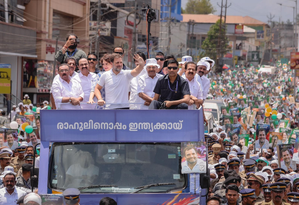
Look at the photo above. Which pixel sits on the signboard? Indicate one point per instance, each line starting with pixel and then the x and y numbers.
pixel 260 34
pixel 122 125
pixel 5 77
pixel 239 29
pixel 294 60
pixel 255 56
pixel 105 28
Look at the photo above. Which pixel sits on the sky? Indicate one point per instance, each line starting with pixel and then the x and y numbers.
pixel 258 9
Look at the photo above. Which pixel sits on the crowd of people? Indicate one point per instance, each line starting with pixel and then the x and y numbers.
pixel 252 153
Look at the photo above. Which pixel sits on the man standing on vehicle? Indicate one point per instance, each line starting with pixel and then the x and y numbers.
pixel 117 83
pixel 160 60
pixel 67 92
pixel 86 79
pixel 70 50
pixel 171 91
pixel 192 163
pixel 196 97
pixel 120 51
pixel 146 83
pixel 203 67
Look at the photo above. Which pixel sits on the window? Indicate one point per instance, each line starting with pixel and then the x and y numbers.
pixel 116 168
pixel 62 26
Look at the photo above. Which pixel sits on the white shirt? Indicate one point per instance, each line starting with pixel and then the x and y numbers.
pixel 133 90
pixel 116 87
pixel 200 167
pixel 79 173
pixel 7 199
pixel 87 83
pixel 195 90
pixel 146 85
pixel 14 145
pixel 57 78
pixel 60 88
pixel 206 86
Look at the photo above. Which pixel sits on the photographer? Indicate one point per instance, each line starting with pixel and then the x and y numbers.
pixel 70 50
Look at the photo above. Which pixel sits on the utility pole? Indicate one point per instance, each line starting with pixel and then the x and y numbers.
pixel 192 42
pixel 270 18
pixel 134 29
pixel 188 37
pixel 169 23
pixel 98 33
pixel 219 38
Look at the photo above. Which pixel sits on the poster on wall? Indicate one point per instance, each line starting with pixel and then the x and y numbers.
pixel 5 77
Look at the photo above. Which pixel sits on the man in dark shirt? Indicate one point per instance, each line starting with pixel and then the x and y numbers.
pixel 171 91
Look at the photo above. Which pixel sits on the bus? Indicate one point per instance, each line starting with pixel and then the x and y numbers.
pixel 132 156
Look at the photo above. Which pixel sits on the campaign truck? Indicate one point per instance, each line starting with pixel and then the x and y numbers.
pixel 132 156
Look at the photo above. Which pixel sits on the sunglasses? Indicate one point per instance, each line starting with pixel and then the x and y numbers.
pixel 161 59
pixel 172 68
pixel 92 59
pixel 120 53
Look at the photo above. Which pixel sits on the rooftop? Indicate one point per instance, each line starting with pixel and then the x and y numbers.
pixel 210 18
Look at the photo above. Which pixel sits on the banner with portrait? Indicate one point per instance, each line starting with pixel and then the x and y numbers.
pixel 194 157
pixel 285 156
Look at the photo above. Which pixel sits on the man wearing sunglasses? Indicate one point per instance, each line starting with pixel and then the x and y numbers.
pixel 160 60
pixel 171 91
pixel 120 51
pixel 93 62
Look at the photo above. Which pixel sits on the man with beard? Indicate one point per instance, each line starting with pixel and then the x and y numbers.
pixel 287 160
pixel 255 182
pixel 202 68
pixel 70 50
pixel 262 142
pixel 232 195
pixel 248 196
pixel 87 79
pixel 171 91
pixel 192 163
pixel 120 51
pixel 66 91
pixel 196 97
pixel 270 154
pixel 146 83
pixel 9 194
pixel 117 83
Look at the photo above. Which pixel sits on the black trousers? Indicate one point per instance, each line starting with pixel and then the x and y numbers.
pixel 157 105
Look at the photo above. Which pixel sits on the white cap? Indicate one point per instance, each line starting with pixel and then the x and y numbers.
pixel 46 102
pixel 20 104
pixel 152 61
pixel 262 174
pixel 208 59
pixel 33 197
pixel 14 106
pixel 233 153
pixel 8 170
pixel 236 147
pixel 274 162
pixel 26 95
pixel 186 59
pixel 204 63
pixel 21 137
pixel 222 160
pixel 24 143
pixel 267 167
pixel 31 105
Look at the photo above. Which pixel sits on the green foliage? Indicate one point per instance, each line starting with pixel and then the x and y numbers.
pixel 199 7
pixel 210 44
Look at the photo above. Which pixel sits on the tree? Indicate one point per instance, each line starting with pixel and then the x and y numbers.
pixel 198 7
pixel 210 44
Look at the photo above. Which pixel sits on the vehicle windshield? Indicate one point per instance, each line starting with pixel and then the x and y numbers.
pixel 116 168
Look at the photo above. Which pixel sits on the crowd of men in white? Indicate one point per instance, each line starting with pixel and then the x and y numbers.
pixel 116 87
